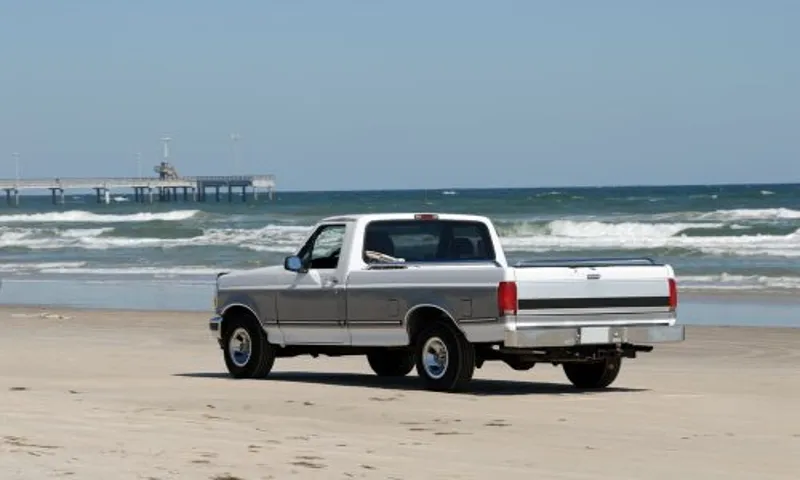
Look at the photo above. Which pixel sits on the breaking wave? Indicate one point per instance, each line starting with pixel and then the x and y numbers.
pixel 81 216
pixel 707 238
pixel 558 235
pixel 726 281
pixel 749 214
pixel 274 238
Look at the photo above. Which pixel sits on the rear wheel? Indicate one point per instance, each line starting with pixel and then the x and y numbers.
pixel 445 360
pixel 246 350
pixel 593 375
pixel 391 363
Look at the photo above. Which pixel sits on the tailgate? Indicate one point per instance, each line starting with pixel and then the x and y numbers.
pixel 587 292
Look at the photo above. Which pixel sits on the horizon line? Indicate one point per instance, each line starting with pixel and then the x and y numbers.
pixel 590 186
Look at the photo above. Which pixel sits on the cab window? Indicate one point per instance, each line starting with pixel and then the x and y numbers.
pixel 388 241
pixel 324 247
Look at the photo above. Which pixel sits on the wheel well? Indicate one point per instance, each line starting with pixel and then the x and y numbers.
pixel 422 316
pixel 235 311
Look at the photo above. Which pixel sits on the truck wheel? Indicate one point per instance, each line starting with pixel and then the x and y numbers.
pixel 246 350
pixel 391 363
pixel 593 375
pixel 445 360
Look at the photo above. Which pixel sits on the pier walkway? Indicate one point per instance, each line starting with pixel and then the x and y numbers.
pixel 145 189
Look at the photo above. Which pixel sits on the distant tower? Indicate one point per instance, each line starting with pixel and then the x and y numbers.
pixel 165 140
pixel 235 137
pixel 15 155
pixel 165 170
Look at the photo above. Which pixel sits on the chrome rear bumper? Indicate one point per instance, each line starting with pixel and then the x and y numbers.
pixel 533 337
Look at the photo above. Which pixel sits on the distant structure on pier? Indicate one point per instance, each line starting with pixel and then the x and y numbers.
pixel 165 187
pixel 166 171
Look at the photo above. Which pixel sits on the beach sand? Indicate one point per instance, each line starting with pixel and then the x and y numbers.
pixel 144 395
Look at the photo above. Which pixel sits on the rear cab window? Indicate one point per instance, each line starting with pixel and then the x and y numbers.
pixel 419 241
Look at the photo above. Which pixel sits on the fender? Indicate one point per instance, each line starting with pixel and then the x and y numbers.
pixel 411 311
pixel 238 300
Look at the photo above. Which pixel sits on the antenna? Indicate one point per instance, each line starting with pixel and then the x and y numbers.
pixel 235 137
pixel 15 155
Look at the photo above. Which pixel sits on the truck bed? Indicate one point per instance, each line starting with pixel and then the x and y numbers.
pixel 590 300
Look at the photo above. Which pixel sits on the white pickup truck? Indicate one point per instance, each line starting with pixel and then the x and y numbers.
pixel 435 292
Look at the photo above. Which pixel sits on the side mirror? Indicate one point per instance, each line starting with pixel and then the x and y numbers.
pixel 293 263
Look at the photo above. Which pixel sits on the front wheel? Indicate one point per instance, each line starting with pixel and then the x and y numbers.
pixel 445 360
pixel 246 350
pixel 593 375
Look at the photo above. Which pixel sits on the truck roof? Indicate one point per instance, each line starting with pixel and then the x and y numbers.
pixel 368 217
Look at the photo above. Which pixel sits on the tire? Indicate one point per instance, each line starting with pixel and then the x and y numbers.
pixel 257 357
pixel 456 363
pixel 593 375
pixel 391 363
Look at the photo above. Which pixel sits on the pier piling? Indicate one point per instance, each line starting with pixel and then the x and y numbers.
pixel 57 195
pixel 12 196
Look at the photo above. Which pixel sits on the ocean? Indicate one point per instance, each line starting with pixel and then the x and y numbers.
pixel 719 238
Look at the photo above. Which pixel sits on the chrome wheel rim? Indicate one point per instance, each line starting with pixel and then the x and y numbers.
pixel 240 347
pixel 435 358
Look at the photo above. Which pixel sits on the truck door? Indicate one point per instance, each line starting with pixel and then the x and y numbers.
pixel 311 307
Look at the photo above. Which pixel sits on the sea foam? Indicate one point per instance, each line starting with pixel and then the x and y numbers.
pixel 81 216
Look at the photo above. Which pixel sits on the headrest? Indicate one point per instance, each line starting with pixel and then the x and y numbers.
pixel 463 247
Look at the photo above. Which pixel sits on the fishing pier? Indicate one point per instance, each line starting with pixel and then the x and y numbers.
pixel 164 188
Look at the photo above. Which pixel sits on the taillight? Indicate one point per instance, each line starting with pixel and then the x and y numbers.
pixel 673 294
pixel 507 298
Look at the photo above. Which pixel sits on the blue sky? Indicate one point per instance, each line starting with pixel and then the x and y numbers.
pixel 412 94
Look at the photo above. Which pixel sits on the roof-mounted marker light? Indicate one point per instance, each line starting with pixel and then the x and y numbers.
pixel 426 216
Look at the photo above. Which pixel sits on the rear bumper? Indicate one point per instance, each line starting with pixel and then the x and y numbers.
pixel 541 337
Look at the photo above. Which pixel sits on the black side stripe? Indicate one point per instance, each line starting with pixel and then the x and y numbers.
pixel 602 302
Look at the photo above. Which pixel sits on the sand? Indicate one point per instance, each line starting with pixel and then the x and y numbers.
pixel 108 394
